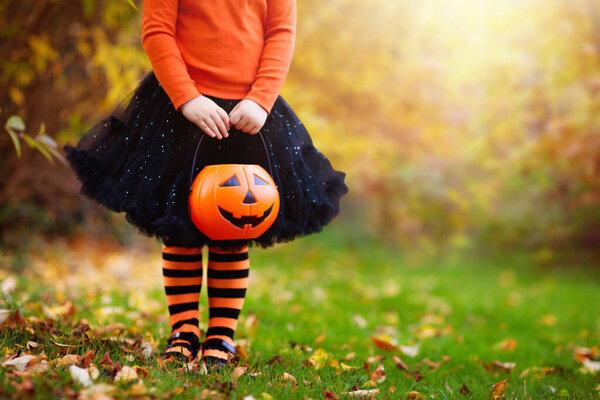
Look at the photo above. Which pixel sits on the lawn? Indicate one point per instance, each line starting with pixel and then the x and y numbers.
pixel 325 316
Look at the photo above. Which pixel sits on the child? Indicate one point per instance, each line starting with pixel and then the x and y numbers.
pixel 218 68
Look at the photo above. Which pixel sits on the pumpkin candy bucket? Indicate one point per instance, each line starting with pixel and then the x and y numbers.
pixel 233 201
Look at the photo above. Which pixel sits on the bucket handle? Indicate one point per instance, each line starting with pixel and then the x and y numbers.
pixel 198 149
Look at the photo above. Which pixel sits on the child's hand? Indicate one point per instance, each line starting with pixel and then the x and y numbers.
pixel 205 113
pixel 248 116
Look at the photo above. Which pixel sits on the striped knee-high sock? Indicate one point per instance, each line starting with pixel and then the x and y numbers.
pixel 227 283
pixel 182 274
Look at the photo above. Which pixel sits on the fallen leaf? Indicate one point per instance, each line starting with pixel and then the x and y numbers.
pixel 498 389
pixel 13 320
pixel 65 346
pixel 241 353
pixel 80 375
pixel 94 372
pixel 362 393
pixel 237 372
pixel 319 358
pixel 464 389
pixel 87 359
pixel 20 363
pixel 99 391
pixel 410 351
pixel 346 367
pixel 399 363
pixel 413 395
pixel 433 365
pixel 508 344
pixel 590 366
pixel 378 375
pixel 4 314
pixel 126 374
pixel 33 345
pixel 138 389
pixel 143 372
pixel 359 320
pixel 288 377
pixel 107 362
pixel 329 395
pixel 146 350
pixel 70 359
pixel 583 353
pixel 384 342
pixel 320 338
pixel 499 366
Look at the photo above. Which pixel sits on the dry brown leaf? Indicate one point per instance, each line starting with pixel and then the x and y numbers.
pixel 126 374
pixel 20 363
pixel 87 359
pixel 499 366
pixel 363 394
pixel 107 362
pixel 508 344
pixel 320 338
pixel 143 372
pixel 378 375
pixel 399 363
pixel 433 365
pixel 70 359
pixel 413 395
pixel 237 372
pixel 288 377
pixel 241 353
pixel 464 390
pixel 146 350
pixel 62 345
pixel 498 389
pixel 329 395
pixel 13 320
pixel 582 354
pixel 384 343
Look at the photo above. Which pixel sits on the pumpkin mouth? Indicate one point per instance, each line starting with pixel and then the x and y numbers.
pixel 246 219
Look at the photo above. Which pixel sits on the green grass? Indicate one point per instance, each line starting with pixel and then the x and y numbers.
pixel 456 309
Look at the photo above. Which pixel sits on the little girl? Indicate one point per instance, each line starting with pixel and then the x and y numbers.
pixel 218 67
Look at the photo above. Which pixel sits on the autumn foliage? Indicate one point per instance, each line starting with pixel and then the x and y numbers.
pixel 457 123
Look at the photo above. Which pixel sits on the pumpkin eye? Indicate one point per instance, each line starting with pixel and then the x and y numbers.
pixel 232 181
pixel 258 181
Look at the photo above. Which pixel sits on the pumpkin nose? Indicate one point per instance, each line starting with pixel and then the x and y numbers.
pixel 249 199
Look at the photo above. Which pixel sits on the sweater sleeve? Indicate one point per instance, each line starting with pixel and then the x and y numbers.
pixel 276 58
pixel 159 20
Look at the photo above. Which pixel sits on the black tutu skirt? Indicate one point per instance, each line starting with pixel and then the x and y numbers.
pixel 139 161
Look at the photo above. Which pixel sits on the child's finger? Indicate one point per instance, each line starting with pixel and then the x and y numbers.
pixel 246 124
pixel 224 118
pixel 206 129
pixel 213 128
pixel 220 125
pixel 234 117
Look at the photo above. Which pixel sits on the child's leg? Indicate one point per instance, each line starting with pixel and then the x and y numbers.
pixel 227 283
pixel 182 273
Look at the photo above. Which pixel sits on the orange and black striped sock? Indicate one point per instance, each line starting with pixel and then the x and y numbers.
pixel 227 283
pixel 182 274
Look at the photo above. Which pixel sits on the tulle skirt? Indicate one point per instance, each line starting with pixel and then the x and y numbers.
pixel 139 161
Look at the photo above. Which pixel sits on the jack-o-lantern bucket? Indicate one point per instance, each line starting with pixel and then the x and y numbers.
pixel 233 201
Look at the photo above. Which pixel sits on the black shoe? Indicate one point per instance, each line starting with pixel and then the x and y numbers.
pixel 192 346
pixel 217 344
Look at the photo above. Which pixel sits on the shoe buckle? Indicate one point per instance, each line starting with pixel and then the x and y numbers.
pixel 229 347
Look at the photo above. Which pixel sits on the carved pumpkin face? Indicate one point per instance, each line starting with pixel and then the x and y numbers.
pixel 233 201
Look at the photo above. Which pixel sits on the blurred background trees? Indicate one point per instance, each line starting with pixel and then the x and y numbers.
pixel 458 123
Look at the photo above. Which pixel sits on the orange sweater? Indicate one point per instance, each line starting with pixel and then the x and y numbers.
pixel 233 49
